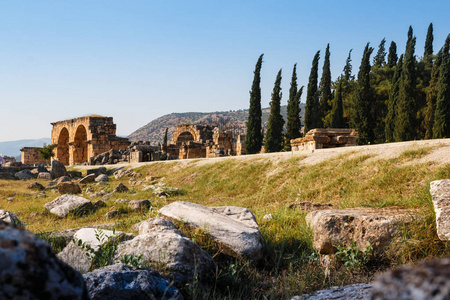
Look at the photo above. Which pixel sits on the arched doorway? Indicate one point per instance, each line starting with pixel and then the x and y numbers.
pixel 184 137
pixel 80 153
pixel 62 149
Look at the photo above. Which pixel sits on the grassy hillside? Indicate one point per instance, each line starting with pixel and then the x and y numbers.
pixel 154 131
pixel 268 184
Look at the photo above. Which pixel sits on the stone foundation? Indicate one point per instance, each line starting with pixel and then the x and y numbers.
pixel 325 138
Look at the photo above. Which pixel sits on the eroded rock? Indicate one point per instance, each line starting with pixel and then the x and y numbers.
pixel 35 186
pixel 161 243
pixel 121 282
pixel 10 218
pixel 440 194
pixel 68 187
pixel 235 228
pixel 67 203
pixel 30 270
pixel 58 169
pixel 344 226
pixel 137 205
pixel 429 279
pixel 359 291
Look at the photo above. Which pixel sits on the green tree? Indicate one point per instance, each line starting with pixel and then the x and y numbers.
pixel 406 110
pixel 46 152
pixel 348 67
pixel 431 97
pixel 165 139
pixel 325 90
pixel 312 97
pixel 428 51
pixel 274 135
pixel 363 119
pixel 392 56
pixel 254 137
pixel 441 126
pixel 379 59
pixel 293 112
pixel 392 102
pixel 337 112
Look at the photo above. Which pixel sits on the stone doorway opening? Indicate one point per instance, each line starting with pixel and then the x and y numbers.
pixel 184 137
pixel 80 151
pixel 62 150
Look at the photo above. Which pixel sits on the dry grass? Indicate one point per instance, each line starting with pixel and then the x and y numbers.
pixel 269 186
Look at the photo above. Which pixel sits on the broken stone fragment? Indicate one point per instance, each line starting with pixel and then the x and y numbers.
pixel 65 204
pixel 440 195
pixel 234 228
pixel 334 227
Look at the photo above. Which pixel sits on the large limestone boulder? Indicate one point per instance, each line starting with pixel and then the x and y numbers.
pixel 440 194
pixel 58 169
pixel 68 187
pixel 35 186
pixel 159 242
pixel 358 291
pixel 429 279
pixel 81 259
pixel 67 203
pixel 121 282
pixel 10 218
pixel 234 228
pixel 343 226
pixel 30 270
pixel 45 175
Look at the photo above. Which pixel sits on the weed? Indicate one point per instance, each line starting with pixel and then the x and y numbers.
pixel 352 257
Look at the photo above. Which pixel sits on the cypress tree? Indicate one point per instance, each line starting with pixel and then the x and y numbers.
pixel 379 59
pixel 274 134
pixel 392 56
pixel 348 67
pixel 363 119
pixel 293 112
pixel 337 112
pixel 441 126
pixel 312 97
pixel 428 51
pixel 405 124
pixel 325 89
pixel 392 102
pixel 431 97
pixel 254 138
pixel 165 139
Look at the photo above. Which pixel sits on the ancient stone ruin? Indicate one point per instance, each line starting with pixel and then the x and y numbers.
pixel 325 138
pixel 31 156
pixel 202 141
pixel 83 138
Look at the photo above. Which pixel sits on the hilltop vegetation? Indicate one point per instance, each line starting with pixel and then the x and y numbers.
pixel 154 131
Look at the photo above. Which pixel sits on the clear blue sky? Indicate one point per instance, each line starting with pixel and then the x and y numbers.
pixel 138 60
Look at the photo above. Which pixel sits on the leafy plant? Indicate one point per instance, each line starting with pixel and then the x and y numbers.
pixel 132 260
pixel 352 257
pixel 46 152
pixel 104 254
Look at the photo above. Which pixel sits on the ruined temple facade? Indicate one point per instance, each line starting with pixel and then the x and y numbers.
pixel 202 141
pixel 80 139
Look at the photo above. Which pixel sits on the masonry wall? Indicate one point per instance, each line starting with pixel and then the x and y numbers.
pixel 31 156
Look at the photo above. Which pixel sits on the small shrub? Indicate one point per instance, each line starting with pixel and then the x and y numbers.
pixel 352 257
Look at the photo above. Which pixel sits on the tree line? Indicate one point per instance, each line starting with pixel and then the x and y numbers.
pixel 393 98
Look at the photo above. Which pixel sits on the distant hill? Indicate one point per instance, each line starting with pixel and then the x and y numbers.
pixel 12 148
pixel 233 119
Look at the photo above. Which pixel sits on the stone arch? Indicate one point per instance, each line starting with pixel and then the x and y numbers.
pixel 80 146
pixel 184 137
pixel 62 149
pixel 185 133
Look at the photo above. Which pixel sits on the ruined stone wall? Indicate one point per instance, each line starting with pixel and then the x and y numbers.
pixel 31 156
pixel 325 138
pixel 81 138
